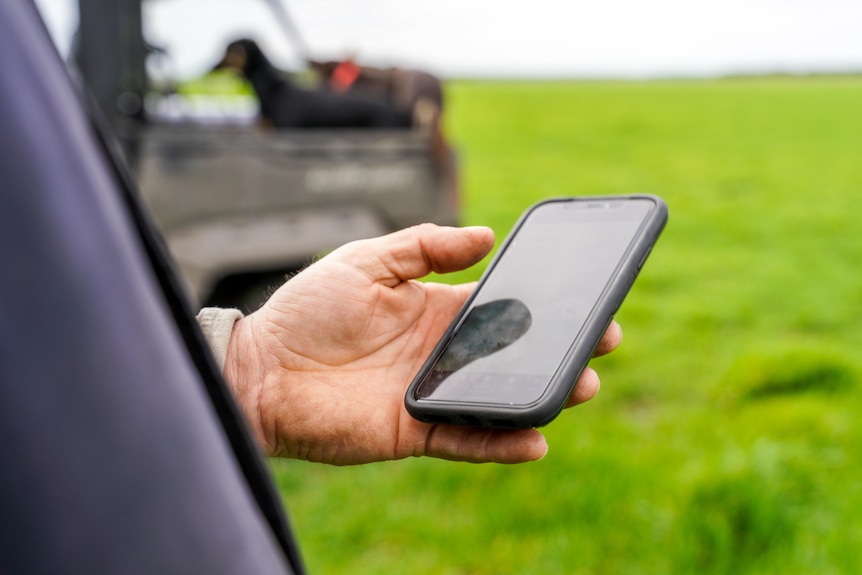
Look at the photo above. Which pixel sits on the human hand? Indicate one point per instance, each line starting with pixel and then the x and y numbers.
pixel 321 369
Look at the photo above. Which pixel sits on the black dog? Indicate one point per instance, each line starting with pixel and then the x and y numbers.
pixel 285 105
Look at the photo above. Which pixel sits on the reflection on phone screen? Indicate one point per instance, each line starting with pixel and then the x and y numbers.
pixel 487 328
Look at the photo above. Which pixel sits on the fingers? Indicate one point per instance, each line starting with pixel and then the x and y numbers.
pixel 612 338
pixel 589 384
pixel 415 252
pixel 587 387
pixel 481 445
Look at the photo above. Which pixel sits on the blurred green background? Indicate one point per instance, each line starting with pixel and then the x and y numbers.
pixel 725 436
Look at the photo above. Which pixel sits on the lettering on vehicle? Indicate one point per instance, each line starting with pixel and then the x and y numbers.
pixel 349 177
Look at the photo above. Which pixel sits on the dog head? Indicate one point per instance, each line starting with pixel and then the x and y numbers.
pixel 242 56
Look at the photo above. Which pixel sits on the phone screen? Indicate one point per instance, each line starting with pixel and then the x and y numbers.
pixel 534 303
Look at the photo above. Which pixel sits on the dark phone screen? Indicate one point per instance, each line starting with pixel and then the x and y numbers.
pixel 535 302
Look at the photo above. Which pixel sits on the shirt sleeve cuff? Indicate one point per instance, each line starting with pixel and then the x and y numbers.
pixel 217 326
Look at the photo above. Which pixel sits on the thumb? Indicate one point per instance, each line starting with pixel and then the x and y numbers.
pixel 417 251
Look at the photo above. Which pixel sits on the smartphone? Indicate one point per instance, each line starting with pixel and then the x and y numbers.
pixel 513 354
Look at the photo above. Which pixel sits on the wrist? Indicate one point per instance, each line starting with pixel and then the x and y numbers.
pixel 243 372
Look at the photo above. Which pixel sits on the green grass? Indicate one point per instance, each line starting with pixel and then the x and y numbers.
pixel 726 436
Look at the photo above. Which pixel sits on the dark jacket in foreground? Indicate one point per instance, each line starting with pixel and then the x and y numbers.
pixel 122 451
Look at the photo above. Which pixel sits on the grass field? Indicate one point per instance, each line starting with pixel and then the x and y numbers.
pixel 726 438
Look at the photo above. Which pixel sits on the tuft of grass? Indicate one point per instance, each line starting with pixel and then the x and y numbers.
pixel 789 369
pixel 745 519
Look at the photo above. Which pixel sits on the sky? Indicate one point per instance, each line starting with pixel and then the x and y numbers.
pixel 504 38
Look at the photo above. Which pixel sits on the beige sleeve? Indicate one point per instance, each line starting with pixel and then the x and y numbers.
pixel 217 325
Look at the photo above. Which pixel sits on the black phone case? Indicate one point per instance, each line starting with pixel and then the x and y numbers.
pixel 552 401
